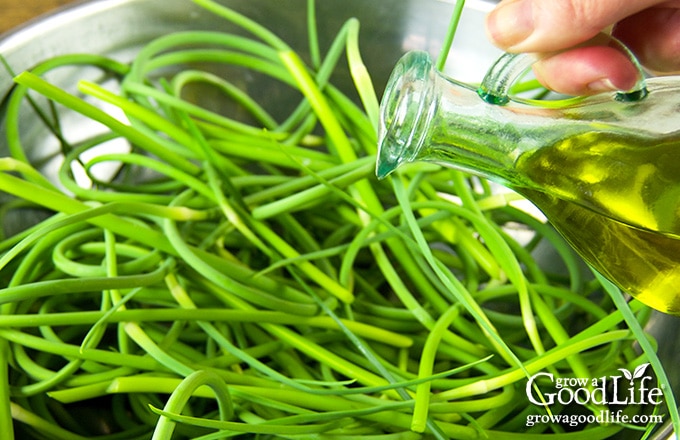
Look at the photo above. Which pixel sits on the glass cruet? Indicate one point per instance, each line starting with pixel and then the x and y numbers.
pixel 605 169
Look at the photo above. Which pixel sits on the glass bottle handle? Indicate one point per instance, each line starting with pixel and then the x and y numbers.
pixel 503 73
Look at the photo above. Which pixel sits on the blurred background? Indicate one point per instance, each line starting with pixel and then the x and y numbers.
pixel 16 12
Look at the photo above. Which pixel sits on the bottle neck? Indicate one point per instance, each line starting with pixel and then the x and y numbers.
pixel 428 117
pixel 475 137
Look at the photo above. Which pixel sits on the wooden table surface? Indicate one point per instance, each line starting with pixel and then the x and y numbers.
pixel 16 12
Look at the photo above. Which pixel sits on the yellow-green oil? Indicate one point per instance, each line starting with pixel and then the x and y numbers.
pixel 616 199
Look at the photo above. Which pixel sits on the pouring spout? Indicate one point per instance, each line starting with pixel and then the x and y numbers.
pixel 385 165
pixel 405 112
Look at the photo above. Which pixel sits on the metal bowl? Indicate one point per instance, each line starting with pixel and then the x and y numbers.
pixel 389 28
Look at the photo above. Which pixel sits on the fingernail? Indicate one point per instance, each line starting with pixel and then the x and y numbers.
pixel 602 85
pixel 510 23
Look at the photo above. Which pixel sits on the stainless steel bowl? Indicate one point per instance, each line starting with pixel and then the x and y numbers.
pixel 388 29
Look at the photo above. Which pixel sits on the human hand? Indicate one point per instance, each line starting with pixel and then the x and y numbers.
pixel 649 28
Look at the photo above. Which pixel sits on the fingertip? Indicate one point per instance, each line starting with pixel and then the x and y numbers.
pixel 587 71
pixel 654 36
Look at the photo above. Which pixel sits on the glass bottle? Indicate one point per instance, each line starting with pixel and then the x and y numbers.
pixel 605 170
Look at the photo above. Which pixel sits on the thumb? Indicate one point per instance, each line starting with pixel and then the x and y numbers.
pixel 550 25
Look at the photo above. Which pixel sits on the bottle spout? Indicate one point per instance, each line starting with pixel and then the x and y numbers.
pixel 405 111
pixel 385 166
pixel 393 150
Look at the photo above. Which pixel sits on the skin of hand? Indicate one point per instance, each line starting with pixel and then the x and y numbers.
pixel 649 28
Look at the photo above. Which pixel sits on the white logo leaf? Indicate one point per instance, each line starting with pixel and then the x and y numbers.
pixel 640 371
pixel 626 373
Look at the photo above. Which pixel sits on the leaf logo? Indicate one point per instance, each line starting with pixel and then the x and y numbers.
pixel 637 373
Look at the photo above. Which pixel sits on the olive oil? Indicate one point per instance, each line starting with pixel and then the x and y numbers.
pixel 616 199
